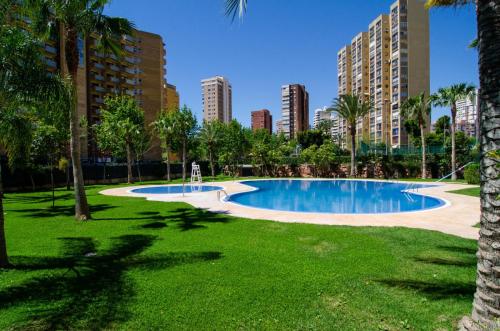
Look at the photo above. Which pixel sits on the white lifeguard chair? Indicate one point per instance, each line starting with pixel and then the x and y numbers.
pixel 196 174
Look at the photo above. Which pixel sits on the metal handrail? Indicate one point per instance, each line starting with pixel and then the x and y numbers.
pixel 454 172
pixel 218 194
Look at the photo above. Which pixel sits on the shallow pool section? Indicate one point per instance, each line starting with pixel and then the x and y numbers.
pixel 175 189
pixel 335 196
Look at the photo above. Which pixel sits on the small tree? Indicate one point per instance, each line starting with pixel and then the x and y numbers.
pixel 164 129
pixel 418 108
pixel 261 146
pixel 448 97
pixel 234 146
pixel 351 108
pixel 184 128
pixel 122 120
pixel 211 137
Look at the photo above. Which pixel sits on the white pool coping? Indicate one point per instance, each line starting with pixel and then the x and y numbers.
pixel 457 216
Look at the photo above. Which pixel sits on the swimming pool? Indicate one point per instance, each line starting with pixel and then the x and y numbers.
pixel 334 196
pixel 175 189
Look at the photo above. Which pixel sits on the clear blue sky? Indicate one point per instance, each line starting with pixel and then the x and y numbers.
pixel 283 41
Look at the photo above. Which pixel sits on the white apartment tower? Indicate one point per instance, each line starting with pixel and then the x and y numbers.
pixel 217 99
pixel 467 115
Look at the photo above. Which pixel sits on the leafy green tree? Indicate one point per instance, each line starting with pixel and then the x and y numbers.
pixel 325 126
pixel 142 144
pixel 442 124
pixel 234 145
pixel 311 137
pixel 77 19
pixel 164 129
pixel 262 143
pixel 24 85
pixel 448 97
pixel 185 129
pixel 418 108
pixel 325 157
pixel 351 108
pixel 211 136
pixel 122 121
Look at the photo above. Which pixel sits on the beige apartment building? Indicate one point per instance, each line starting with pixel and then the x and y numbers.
pixel 172 100
pixel 387 64
pixel 217 99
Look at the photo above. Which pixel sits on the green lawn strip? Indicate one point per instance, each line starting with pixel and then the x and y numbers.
pixel 470 191
pixel 170 266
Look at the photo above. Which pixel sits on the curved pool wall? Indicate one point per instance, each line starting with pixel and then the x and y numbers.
pixel 175 189
pixel 335 196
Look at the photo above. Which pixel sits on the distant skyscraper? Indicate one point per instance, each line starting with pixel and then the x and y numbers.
pixel 320 115
pixel 294 109
pixel 279 126
pixel 262 119
pixel 217 99
pixel 467 115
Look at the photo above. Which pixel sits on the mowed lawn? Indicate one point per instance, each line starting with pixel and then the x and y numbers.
pixel 142 265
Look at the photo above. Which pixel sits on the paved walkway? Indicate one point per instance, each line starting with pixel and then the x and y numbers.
pixel 457 217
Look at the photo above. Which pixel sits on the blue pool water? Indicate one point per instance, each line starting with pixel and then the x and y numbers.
pixel 334 196
pixel 176 189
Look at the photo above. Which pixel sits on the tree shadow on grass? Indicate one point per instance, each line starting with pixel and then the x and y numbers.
pixel 458 249
pixel 469 262
pixel 68 210
pixel 434 290
pixel 87 288
pixel 190 218
pixel 35 199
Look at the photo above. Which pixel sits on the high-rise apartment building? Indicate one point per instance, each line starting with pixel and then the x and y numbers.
pixel 344 76
pixel 388 64
pixel 279 127
pixel 467 115
pixel 379 57
pixel 171 95
pixel 410 61
pixel 217 99
pixel 294 109
pixel 321 115
pixel 139 72
pixel 360 78
pixel 262 119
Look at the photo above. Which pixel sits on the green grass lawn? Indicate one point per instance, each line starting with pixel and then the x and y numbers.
pixel 151 265
pixel 471 191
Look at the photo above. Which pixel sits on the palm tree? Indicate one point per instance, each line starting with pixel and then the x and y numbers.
pixel 24 83
pixel 351 108
pixel 211 135
pixel 448 97
pixel 77 19
pixel 486 306
pixel 418 108
pixel 164 129
pixel 184 127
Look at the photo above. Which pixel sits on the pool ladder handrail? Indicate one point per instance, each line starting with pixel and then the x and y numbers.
pixel 219 192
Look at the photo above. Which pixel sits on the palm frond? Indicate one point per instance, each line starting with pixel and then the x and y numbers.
pixel 446 3
pixel 236 7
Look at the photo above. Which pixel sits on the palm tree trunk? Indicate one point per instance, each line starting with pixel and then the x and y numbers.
pixel 4 259
pixel 424 157
pixel 130 180
pixel 353 151
pixel 212 168
pixel 486 307
pixel 168 163
pixel 69 52
pixel 453 150
pixel 183 160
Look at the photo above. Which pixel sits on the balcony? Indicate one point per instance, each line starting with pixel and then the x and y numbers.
pixel 50 49
pixel 99 77
pixel 114 67
pixel 99 89
pixel 114 79
pixel 98 65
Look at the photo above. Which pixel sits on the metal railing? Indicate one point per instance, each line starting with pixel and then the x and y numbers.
pixel 219 192
pixel 451 173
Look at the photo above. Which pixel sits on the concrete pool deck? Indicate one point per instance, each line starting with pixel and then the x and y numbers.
pixel 457 217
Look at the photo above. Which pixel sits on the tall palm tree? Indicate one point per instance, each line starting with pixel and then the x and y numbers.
pixel 77 19
pixel 24 83
pixel 211 136
pixel 164 129
pixel 418 108
pixel 351 108
pixel 448 97
pixel 486 306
